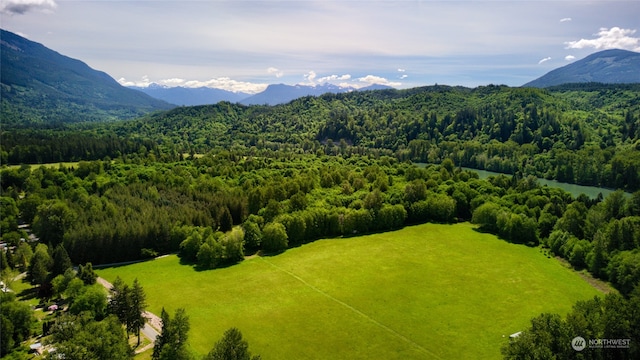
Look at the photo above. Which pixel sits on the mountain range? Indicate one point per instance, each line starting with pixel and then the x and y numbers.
pixel 274 94
pixel 45 86
pixel 281 93
pixel 39 85
pixel 609 66
pixel 184 96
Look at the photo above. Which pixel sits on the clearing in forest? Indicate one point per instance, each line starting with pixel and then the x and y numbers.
pixel 426 291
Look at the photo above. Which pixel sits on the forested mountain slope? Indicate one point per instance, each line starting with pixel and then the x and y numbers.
pixel 588 136
pixel 40 85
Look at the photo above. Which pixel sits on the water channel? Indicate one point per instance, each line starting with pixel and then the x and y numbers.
pixel 573 189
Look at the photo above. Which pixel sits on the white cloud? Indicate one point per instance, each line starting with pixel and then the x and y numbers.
pixel 329 78
pixel 310 78
pixel 20 7
pixel 275 72
pixel 614 38
pixel 401 70
pixel 172 82
pixel 143 82
pixel 223 83
pixel 404 76
pixel 544 60
pixel 372 79
pixel 569 57
pixel 565 19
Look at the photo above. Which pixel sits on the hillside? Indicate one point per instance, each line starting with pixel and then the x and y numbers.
pixel 550 134
pixel 585 135
pixel 40 85
pixel 608 67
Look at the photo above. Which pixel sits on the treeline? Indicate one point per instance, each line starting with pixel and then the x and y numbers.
pixel 66 143
pixel 216 208
pixel 551 134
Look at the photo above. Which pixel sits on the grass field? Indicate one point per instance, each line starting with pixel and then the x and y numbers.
pixel 427 291
pixel 48 165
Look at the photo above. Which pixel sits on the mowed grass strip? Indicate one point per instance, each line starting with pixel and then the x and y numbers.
pixel 426 291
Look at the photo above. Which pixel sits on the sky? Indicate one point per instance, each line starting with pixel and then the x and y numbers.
pixel 245 45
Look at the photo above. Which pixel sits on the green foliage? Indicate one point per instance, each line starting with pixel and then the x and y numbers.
pixel 517 228
pixel 86 274
pixel 92 300
pixel 274 237
pixel 128 304
pixel 486 215
pixel 623 270
pixel 550 336
pixel 212 249
pixel 81 337
pixel 61 261
pixel 40 265
pixel 231 347
pixel 144 203
pixel 172 342
pixel 436 208
pixel 252 234
pixel 8 215
pixel 61 282
pixel 546 133
pixel 22 256
pixel 52 219
pixel 16 319
pixel 74 288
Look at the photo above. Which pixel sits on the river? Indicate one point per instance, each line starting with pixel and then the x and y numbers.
pixel 573 189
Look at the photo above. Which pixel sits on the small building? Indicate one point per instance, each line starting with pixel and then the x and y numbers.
pixel 515 335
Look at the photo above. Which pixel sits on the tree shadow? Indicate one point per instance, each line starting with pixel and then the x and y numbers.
pixel 264 253
pixel 28 294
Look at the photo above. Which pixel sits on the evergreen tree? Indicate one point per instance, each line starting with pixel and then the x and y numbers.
pixel 231 347
pixel 87 275
pixel 61 261
pixel 136 319
pixel 171 343
pixel 119 304
pixel 164 337
pixel 40 265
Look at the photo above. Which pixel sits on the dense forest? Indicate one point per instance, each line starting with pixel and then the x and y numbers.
pixel 215 183
pixel 125 209
pixel 585 133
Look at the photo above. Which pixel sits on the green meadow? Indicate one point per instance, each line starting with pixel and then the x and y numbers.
pixel 424 292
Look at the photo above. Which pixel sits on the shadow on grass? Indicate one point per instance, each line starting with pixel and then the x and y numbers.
pixel 263 253
pixel 198 267
pixel 126 263
pixel 487 231
pixel 28 294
